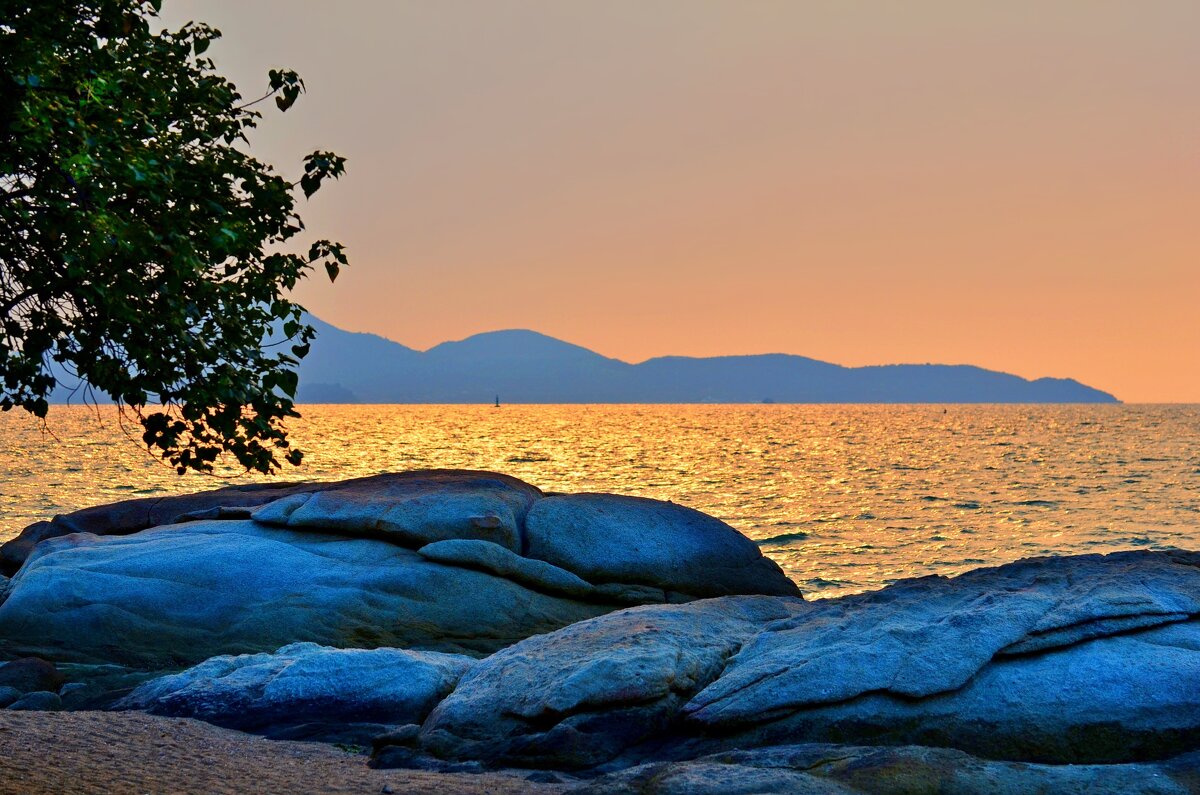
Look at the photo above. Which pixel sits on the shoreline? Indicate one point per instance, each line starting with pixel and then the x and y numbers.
pixel 114 753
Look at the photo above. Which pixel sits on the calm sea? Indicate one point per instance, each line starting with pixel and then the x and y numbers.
pixel 844 498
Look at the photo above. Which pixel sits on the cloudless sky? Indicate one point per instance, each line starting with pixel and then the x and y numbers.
pixel 1014 185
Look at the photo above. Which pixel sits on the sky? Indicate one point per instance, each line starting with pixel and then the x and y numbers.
pixel 1013 185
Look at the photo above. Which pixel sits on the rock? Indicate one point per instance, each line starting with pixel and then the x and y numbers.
pixel 1079 660
pixel 1037 660
pixel 405 736
pixel 428 559
pixel 8 695
pixel 497 560
pixel 610 538
pixel 1125 698
pixel 97 687
pixel 29 674
pixel 582 695
pixel 130 516
pixel 418 507
pixel 930 635
pixel 179 594
pixel 305 684
pixel 889 771
pixel 713 778
pixel 365 506
pixel 38 701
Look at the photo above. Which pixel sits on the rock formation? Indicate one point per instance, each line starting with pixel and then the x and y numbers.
pixel 306 690
pixel 1089 659
pixel 448 561
pixel 820 769
pixel 342 611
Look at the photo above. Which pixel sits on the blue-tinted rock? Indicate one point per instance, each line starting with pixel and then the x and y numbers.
pixel 580 696
pixel 607 538
pixel 428 559
pixel 889 771
pixel 305 684
pixel 37 701
pixel 416 507
pixel 8 695
pixel 179 594
pixel 931 635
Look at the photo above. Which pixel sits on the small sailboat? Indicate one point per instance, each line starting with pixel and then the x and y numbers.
pixel 497 402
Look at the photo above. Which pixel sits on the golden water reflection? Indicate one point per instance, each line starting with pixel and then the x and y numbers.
pixel 844 498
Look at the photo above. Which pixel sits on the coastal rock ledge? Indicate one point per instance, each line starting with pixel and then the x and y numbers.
pixel 439 560
pixel 465 621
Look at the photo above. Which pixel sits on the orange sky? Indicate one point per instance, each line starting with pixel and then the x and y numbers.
pixel 1014 185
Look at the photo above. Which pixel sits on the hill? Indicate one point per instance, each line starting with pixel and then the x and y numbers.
pixel 527 367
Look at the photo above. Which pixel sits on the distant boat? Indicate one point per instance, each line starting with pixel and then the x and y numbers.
pixel 497 402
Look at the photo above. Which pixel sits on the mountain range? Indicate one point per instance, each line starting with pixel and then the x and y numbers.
pixel 520 366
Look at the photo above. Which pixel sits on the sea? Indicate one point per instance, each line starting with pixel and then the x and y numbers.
pixel 845 498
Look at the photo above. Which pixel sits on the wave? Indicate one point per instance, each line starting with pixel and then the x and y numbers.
pixel 782 538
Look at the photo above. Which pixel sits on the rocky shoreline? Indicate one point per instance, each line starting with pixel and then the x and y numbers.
pixel 465 622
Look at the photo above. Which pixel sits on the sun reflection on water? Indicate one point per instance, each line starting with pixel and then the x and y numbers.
pixel 844 498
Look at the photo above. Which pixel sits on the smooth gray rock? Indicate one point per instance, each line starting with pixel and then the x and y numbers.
pixel 130 516
pixel 1075 660
pixel 580 696
pixel 489 557
pixel 426 559
pixel 8 695
pixel 179 594
pixel 703 777
pixel 305 683
pixel 38 701
pixel 890 771
pixel 608 538
pixel 931 635
pixel 416 507
pixel 1126 698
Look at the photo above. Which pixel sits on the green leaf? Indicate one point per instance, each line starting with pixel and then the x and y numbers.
pixel 156 226
pixel 288 382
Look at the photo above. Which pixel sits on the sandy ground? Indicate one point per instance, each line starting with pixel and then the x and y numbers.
pixel 130 752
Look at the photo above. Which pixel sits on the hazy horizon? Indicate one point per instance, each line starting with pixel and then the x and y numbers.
pixel 1012 186
pixel 663 354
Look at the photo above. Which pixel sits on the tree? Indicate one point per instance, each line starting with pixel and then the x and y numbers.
pixel 142 249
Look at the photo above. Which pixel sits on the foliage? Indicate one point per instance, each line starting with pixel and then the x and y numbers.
pixel 141 247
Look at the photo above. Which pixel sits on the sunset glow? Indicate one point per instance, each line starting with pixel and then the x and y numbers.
pixel 1015 186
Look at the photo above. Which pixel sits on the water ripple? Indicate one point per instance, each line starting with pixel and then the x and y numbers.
pixel 844 498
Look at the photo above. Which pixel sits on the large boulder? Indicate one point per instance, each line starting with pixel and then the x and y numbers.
pixel 179 594
pixel 416 507
pixel 130 516
pixel 1119 699
pixel 815 768
pixel 611 538
pixel 580 696
pixel 434 559
pixel 421 504
pixel 305 687
pixel 1078 659
pixel 1093 659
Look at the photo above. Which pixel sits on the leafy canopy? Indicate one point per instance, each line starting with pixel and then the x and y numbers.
pixel 142 249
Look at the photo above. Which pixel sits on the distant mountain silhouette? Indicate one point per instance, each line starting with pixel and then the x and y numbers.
pixel 528 367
